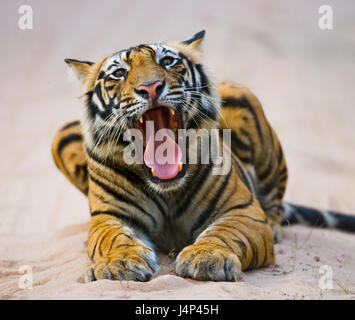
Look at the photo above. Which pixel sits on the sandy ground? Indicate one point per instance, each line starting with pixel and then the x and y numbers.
pixel 303 76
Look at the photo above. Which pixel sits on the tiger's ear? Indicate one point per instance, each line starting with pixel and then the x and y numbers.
pixel 80 68
pixel 196 40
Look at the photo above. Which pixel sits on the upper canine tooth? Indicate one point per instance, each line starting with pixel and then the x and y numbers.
pixel 141 119
pixel 172 111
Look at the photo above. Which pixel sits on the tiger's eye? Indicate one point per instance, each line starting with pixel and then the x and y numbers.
pixel 167 61
pixel 119 73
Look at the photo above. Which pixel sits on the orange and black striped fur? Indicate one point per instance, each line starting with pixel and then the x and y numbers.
pixel 218 224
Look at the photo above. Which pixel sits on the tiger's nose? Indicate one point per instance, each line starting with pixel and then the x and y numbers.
pixel 151 91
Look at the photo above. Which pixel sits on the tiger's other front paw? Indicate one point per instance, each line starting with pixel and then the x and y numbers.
pixel 137 263
pixel 276 231
pixel 208 262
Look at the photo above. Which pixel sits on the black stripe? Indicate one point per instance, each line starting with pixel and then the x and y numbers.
pixel 191 68
pixel 116 236
pixel 276 177
pixel 70 124
pixel 205 86
pixel 250 218
pixel 125 100
pixel 67 140
pixel 239 144
pixel 98 93
pixel 242 246
pixel 112 65
pixel 129 175
pixel 124 199
pixel 102 240
pixel 108 88
pixel 165 51
pixel 251 243
pixel 146 47
pixel 79 61
pixel 263 175
pixel 240 206
pixel 175 87
pixel 112 242
pixel 283 178
pixel 101 197
pixel 313 217
pixel 245 160
pixel 196 37
pixel 250 140
pixel 93 108
pixel 93 252
pixel 125 219
pixel 238 241
pixel 182 204
pixel 130 104
pixel 242 174
pixel 193 123
pixel 173 92
pixel 125 245
pixel 97 227
pixel 268 170
pixel 244 103
pixel 101 75
pixel 217 236
pixel 97 238
pixel 254 248
pixel 201 220
pixel 268 205
pixel 280 157
pixel 81 171
pixel 265 246
pixel 132 178
pixel 128 54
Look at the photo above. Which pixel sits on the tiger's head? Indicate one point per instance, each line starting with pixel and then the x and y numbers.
pixel 163 84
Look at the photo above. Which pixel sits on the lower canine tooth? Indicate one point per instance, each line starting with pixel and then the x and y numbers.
pixel 180 167
pixel 154 173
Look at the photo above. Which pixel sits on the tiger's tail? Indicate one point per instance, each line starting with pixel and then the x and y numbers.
pixel 317 218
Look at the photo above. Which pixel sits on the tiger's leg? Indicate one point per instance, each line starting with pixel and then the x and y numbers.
pixel 118 251
pixel 117 245
pixel 239 238
pixel 118 241
pixel 69 155
pixel 257 146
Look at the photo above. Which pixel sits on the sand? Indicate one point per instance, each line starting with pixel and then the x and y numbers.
pixel 303 76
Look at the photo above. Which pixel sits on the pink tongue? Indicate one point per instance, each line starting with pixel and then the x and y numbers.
pixel 165 164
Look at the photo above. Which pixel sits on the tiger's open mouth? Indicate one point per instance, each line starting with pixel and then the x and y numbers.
pixel 162 154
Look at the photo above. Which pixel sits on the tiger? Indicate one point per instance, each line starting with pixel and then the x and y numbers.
pixel 216 225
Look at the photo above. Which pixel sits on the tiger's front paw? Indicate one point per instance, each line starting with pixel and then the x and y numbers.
pixel 137 263
pixel 276 231
pixel 208 262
